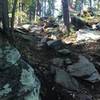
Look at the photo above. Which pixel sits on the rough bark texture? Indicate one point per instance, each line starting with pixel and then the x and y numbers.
pixel 5 18
pixel 66 13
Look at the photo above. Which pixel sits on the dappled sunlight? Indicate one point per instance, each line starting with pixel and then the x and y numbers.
pixel 86 34
pixel 49 49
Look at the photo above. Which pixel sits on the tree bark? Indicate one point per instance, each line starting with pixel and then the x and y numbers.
pixel 13 15
pixel 5 21
pixel 5 18
pixel 65 5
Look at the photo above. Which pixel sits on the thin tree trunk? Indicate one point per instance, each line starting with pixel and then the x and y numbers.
pixel 13 15
pixel 90 2
pixel 13 19
pixel 81 7
pixel 5 18
pixel 53 7
pixel 65 4
pixel 45 8
pixel 38 6
pixel 98 6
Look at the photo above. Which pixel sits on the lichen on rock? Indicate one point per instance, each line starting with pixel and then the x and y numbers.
pixel 18 79
pixel 30 83
pixel 5 91
pixel 13 56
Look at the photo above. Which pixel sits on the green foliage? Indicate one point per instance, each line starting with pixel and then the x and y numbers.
pixel 22 15
pixel 25 8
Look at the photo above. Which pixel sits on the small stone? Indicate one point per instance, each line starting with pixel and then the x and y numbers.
pixel 54 37
pixel 68 61
pixel 98 26
pixel 85 97
pixel 58 62
pixel 55 44
pixel 44 40
pixel 64 51
pixel 26 26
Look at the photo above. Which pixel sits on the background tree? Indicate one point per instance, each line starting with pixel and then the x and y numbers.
pixel 65 5
pixel 5 18
pixel 13 14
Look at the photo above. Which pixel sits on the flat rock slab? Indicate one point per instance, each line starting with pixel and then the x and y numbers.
pixel 26 26
pixel 64 51
pixel 86 34
pixel 84 68
pixel 64 79
pixel 55 44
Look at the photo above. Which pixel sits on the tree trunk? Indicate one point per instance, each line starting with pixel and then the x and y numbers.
pixel 38 8
pixel 65 5
pixel 13 15
pixel 90 2
pixel 81 7
pixel 5 18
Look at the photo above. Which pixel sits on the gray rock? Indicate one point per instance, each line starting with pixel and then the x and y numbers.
pixel 84 68
pixel 58 62
pixel 44 40
pixel 98 26
pixel 64 79
pixel 84 97
pixel 18 79
pixel 64 51
pixel 26 26
pixel 30 83
pixel 36 29
pixel 95 77
pixel 27 37
pixel 68 61
pixel 55 44
pixel 87 35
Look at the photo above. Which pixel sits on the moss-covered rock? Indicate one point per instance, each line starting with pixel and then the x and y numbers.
pixel 17 78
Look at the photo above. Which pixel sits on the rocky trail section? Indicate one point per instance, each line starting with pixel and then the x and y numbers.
pixel 66 71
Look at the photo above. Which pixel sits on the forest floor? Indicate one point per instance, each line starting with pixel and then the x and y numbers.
pixel 42 50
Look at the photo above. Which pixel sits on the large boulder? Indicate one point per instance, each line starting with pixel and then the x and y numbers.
pixel 78 23
pixel 64 79
pixel 84 69
pixel 17 78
